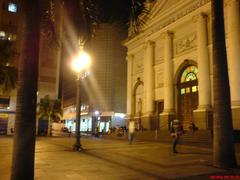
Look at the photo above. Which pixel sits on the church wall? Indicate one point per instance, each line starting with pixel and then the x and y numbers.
pixel 183 24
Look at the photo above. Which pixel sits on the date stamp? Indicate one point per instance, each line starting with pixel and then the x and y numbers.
pixel 225 177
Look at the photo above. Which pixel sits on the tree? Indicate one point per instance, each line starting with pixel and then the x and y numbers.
pixel 8 73
pixel 25 124
pixel 49 109
pixel 223 145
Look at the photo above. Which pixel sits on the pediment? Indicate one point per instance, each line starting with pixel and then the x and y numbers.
pixel 161 6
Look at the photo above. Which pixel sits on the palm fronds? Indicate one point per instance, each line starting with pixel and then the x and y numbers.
pixel 125 13
pixel 50 108
pixel 85 15
pixel 8 78
pixel 6 52
pixel 8 74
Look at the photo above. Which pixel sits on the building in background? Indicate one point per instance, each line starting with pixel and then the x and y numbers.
pixel 49 58
pixel 170 65
pixel 103 91
pixel 8 31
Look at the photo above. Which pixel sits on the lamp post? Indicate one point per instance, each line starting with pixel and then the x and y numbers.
pixel 79 65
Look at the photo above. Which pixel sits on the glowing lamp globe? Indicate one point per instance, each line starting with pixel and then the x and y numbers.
pixel 80 62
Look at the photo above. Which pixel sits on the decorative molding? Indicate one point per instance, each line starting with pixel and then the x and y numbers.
pixel 151 43
pixel 167 34
pixel 186 43
pixel 229 2
pixel 159 79
pixel 181 13
pixel 130 57
pixel 200 15
pixel 158 60
pixel 157 7
pixel 138 66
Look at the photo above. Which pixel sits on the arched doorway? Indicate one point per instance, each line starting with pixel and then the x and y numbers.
pixel 187 94
pixel 137 101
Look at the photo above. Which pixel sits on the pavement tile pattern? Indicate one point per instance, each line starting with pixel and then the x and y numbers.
pixel 114 159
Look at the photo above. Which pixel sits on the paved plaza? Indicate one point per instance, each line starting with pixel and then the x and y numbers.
pixel 114 159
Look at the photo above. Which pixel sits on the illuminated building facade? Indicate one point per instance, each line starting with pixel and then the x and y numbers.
pixel 170 65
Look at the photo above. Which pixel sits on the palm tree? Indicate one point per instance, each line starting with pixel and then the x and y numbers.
pixel 223 145
pixel 25 124
pixel 8 73
pixel 50 110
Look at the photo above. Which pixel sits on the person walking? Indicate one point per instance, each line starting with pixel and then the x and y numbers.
pixel 97 132
pixel 176 132
pixel 131 130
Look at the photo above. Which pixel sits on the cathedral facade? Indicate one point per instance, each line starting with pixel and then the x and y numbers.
pixel 170 65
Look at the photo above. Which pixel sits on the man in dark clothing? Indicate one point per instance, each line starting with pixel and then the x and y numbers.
pixel 176 132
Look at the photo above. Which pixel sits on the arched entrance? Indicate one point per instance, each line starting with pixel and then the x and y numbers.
pixel 187 94
pixel 137 101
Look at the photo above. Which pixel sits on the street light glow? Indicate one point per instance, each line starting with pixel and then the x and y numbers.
pixel 81 61
pixel 96 112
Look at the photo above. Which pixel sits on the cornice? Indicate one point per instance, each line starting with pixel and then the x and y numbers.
pixel 161 20
pixel 167 17
pixel 200 15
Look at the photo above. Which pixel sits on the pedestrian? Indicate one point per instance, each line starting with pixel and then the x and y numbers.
pixel 176 132
pixel 70 131
pixel 131 130
pixel 97 132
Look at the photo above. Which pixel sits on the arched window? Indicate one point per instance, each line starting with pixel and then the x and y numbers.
pixel 189 74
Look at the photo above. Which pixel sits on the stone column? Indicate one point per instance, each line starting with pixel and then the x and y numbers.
pixel 149 77
pixel 129 85
pixel 202 117
pixel 204 86
pixel 234 58
pixel 169 110
pixel 148 84
pixel 168 74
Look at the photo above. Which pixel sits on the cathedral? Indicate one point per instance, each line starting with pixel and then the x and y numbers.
pixel 169 73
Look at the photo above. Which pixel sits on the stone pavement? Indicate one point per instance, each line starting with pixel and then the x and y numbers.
pixel 113 159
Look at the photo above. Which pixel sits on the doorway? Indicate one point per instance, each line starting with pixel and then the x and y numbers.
pixel 187 95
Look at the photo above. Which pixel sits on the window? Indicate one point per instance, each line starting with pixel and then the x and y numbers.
pixel 188 90
pixel 12 7
pixel 7 36
pixel 194 89
pixel 190 77
pixel 183 91
pixel 4 103
pixel 189 74
pixel 2 35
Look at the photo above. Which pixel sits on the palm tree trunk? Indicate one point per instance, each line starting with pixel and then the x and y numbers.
pixel 223 145
pixel 49 126
pixel 25 125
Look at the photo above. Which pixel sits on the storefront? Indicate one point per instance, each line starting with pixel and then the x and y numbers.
pixel 3 123
pixel 69 117
pixel 85 125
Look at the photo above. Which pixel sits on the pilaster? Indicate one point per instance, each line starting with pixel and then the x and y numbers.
pixel 203 115
pixel 129 85
pixel 168 73
pixel 233 50
pixel 149 77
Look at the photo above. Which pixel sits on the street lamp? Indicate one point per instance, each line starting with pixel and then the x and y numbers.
pixel 79 65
